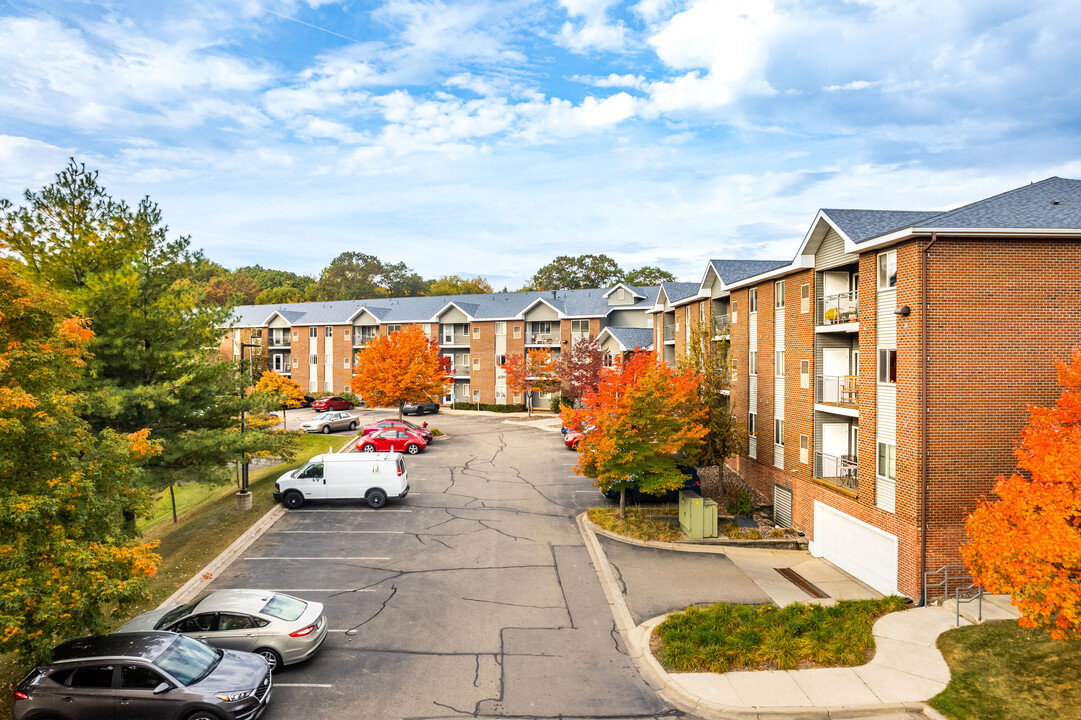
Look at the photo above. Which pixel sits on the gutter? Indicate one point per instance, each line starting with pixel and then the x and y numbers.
pixel 925 445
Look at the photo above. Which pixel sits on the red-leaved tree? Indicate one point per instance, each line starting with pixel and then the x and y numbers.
pixel 580 368
pixel 1027 542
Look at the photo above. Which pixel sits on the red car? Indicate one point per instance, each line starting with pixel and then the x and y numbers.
pixel 571 437
pixel 332 403
pixel 392 440
pixel 421 430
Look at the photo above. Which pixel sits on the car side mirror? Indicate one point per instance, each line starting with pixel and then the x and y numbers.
pixel 162 687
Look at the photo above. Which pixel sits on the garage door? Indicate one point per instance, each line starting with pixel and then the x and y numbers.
pixel 857 548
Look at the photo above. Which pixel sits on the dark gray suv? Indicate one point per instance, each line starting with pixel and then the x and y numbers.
pixel 419 408
pixel 152 675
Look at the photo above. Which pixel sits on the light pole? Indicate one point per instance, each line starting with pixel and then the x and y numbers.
pixel 243 497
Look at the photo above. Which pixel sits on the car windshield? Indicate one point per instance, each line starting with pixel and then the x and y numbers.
pixel 406 422
pixel 284 607
pixel 189 661
pixel 325 416
pixel 178 612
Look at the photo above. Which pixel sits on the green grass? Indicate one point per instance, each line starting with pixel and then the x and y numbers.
pixel 1001 671
pixel 725 637
pixel 637 525
pixel 186 547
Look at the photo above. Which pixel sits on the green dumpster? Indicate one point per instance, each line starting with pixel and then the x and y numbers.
pixel 709 518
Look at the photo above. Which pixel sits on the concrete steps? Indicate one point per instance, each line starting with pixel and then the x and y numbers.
pixel 995 607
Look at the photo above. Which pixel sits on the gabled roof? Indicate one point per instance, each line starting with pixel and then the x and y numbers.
pixel 1054 203
pixel 615 287
pixel 552 303
pixel 630 338
pixel 732 271
pixel 676 291
pixel 862 225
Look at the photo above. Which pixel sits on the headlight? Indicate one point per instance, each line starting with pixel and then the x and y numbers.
pixel 234 695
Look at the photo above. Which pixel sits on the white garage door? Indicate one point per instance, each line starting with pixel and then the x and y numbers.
pixel 857 548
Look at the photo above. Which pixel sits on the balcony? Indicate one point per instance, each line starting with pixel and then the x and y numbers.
pixel 279 343
pixel 460 371
pixel 450 339
pixel 722 327
pixel 669 333
pixel 363 339
pixel 838 309
pixel 841 471
pixel 542 339
pixel 837 390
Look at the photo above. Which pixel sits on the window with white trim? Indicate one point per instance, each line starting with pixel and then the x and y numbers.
pixel 804 448
pixel 886 478
pixel 476 363
pixel 313 359
pixel 296 361
pixel 346 331
pixel 804 373
pixel 476 335
pixel 778 363
pixel 296 335
pixel 778 431
pixel 517 331
pixel 500 328
pixel 752 295
pixel 328 331
pixel 778 294
pixel 804 297
pixel 735 311
pixel 500 359
pixel 752 424
pixel 887 365
pixel 752 363
pixel 313 332
pixel 393 328
pixel 735 370
pixel 887 270
pixel 345 363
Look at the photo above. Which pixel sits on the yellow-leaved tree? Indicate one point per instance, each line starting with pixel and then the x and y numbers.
pixel 402 367
pixel 275 390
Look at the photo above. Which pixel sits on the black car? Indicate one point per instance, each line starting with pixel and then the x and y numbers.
pixel 690 482
pixel 308 400
pixel 419 408
pixel 159 675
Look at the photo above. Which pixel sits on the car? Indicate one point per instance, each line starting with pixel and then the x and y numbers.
pixel 282 628
pixel 572 437
pixel 394 439
pixel 154 674
pixel 331 403
pixel 330 421
pixel 307 401
pixel 419 408
pixel 690 482
pixel 421 430
pixel 370 476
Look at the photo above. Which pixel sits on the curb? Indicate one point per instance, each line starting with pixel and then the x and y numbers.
pixel 636 639
pixel 713 545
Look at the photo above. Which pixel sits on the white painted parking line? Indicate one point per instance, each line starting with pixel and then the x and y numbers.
pixel 359 510
pixel 292 557
pixel 593 490
pixel 315 685
pixel 332 590
pixel 345 532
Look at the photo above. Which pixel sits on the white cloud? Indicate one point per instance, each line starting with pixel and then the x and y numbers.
pixel 591 29
pixel 26 162
pixel 613 80
pixel 560 118
pixel 854 85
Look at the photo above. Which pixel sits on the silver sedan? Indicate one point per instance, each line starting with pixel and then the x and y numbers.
pixel 330 421
pixel 281 628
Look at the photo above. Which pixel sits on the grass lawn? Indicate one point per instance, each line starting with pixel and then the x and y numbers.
pixel 1001 671
pixel 637 525
pixel 186 547
pixel 725 637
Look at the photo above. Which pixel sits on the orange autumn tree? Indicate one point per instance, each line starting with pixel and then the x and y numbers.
pixel 275 390
pixel 1028 541
pixel 402 367
pixel 532 371
pixel 68 563
pixel 638 417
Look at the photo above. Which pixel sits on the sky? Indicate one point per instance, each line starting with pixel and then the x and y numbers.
pixel 487 137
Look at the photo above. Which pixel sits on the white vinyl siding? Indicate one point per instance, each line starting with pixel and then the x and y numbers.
pixel 831 253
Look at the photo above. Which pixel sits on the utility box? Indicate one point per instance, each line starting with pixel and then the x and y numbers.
pixel 697 516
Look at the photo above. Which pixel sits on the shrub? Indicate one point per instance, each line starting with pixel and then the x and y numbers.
pixel 555 404
pixel 738 502
pixel 490 408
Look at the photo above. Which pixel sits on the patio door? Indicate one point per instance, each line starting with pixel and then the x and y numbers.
pixel 834 368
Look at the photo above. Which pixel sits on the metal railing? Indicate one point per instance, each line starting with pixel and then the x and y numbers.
pixel 460 371
pixel 838 309
pixel 841 471
pixel 721 326
pixel 283 342
pixel 953 580
pixel 541 339
pixel 455 339
pixel 843 390
pixel 363 339
pixel 669 333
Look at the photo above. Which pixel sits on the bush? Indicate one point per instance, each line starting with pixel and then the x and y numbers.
pixel 738 502
pixel 555 404
pixel 490 408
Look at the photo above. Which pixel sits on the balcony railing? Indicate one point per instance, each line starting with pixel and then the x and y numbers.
pixel 458 371
pixel 841 390
pixel 669 333
pixel 840 308
pixel 542 339
pixel 721 326
pixel 841 471
pixel 362 340
pixel 455 339
pixel 279 343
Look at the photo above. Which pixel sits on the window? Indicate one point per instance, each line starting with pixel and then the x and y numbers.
pixel 735 312
pixel 427 328
pixel 476 332
pixel 735 370
pixel 313 385
pixel 256 333
pixel 778 363
pixel 752 294
pixel 619 294
pixel 607 359
pixel 313 359
pixel 137 677
pixel 702 313
pixel 296 335
pixel 804 297
pixel 328 386
pixel 778 431
pixel 296 361
pixel 804 449
pixel 778 294
pixel 92 676
pixel 476 395
pixel 476 363
pixel 236 335
pixel 313 332
pixel 579 327
pixel 752 363
pixel 500 328
pixel 887 461
pixel 329 360
pixel 887 366
pixel 393 329
pixel 500 395
pixel 804 373
pixel 752 424
pixel 500 359
pixel 345 363
pixel 517 331
pixel 887 270
pixel 328 331
pixel 346 331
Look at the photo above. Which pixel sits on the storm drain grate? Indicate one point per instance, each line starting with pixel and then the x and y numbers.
pixel 801 582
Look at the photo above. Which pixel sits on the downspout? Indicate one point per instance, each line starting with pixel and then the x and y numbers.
pixel 925 445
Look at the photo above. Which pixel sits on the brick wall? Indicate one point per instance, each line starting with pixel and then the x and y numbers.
pixel 483 349
pixel 799 401
pixel 342 348
pixel 300 350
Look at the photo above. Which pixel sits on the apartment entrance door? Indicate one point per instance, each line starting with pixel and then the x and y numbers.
pixel 834 368
pixel 834 446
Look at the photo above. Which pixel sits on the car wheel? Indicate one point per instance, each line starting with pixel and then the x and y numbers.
pixel 435 409
pixel 412 448
pixel 203 715
pixel 273 659
pixel 352 426
pixel 367 447
pixel 293 500
pixel 376 498
pixel 325 429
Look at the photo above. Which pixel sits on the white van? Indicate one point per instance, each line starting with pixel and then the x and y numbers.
pixel 371 476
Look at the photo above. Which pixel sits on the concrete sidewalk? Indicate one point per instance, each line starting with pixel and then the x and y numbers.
pixel 906 669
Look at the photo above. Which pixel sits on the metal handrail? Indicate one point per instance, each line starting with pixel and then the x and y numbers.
pixel 958 573
pixel 669 333
pixel 837 389
pixel 839 308
pixel 844 472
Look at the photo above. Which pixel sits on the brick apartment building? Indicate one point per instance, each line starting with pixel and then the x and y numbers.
pixel 845 384
pixel 315 343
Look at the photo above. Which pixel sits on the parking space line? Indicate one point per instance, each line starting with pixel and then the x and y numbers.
pixel 293 557
pixel 314 685
pixel 583 491
pixel 345 532
pixel 358 510
pixel 333 590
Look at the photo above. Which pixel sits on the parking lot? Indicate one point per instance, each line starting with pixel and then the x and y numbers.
pixel 472 596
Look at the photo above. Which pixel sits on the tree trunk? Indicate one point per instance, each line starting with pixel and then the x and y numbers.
pixel 285 418
pixel 401 404
pixel 622 503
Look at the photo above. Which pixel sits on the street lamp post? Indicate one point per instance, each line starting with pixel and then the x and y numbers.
pixel 243 497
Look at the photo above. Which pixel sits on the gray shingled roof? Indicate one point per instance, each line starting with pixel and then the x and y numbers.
pixel 632 338
pixel 574 303
pixel 676 291
pixel 1051 203
pixel 732 271
pixel 863 225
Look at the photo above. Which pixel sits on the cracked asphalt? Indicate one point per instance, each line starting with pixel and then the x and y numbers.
pixel 472 597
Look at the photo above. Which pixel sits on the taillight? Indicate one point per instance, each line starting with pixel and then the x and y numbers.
pixel 303 631
pixel 20 695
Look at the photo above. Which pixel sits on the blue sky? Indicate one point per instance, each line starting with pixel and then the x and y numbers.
pixel 487 137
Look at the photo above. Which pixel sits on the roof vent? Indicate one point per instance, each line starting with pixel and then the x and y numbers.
pixel 1054 202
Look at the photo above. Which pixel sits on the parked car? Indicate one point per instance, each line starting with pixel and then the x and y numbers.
pixel 281 628
pixel 307 402
pixel 419 408
pixel 572 437
pixel 690 482
pixel 331 403
pixel 160 675
pixel 344 476
pixel 394 439
pixel 421 430
pixel 330 421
